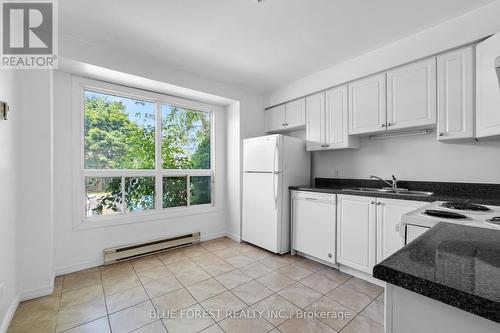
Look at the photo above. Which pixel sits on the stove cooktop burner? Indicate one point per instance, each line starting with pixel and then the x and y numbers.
pixel 444 213
pixel 464 206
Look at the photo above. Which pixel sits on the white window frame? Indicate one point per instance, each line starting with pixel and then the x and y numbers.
pixel 158 213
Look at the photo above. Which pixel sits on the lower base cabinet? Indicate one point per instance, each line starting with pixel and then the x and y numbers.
pixel 389 237
pixel 368 229
pixel 355 231
pixel 356 216
pixel 313 224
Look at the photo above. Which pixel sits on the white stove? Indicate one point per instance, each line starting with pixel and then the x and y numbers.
pixel 420 220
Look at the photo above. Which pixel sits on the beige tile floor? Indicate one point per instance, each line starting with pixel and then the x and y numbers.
pixel 198 284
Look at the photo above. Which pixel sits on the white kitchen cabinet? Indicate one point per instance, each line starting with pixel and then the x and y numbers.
pixel 455 86
pixel 356 218
pixel 315 122
pixel 411 312
pixel 411 95
pixel 337 120
pixel 389 212
pixel 488 87
pixel 367 105
pixel 367 229
pixel 275 118
pixel 313 224
pixel 295 114
pixel 286 117
pixel 327 125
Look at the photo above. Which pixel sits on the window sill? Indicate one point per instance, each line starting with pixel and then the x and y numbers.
pixel 143 217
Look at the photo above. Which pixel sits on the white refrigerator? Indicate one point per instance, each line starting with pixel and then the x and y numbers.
pixel 270 165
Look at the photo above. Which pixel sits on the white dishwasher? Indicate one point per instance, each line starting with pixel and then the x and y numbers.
pixel 314 225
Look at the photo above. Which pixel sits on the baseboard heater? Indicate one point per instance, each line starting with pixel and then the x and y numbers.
pixel 127 252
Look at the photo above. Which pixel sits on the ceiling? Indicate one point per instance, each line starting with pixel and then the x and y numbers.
pixel 256 45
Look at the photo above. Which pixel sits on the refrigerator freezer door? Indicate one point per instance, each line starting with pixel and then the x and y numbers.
pixel 261 210
pixel 262 154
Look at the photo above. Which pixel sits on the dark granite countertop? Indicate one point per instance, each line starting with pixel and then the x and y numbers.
pixel 454 264
pixel 486 194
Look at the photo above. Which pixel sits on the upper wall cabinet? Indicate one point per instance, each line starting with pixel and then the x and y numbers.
pixel 367 105
pixel 327 121
pixel 286 117
pixel 315 122
pixel 488 87
pixel 411 95
pixel 455 86
pixel 295 114
pixel 337 120
pixel 275 118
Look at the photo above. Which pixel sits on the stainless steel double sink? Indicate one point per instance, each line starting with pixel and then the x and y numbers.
pixel 389 190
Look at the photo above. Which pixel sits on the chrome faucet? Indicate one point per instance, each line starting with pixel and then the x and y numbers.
pixel 394 183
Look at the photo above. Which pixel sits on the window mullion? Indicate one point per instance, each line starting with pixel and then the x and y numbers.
pixel 188 194
pixel 158 158
pixel 124 206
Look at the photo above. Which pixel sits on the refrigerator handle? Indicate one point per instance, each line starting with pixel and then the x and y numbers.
pixel 275 191
pixel 275 174
pixel 275 157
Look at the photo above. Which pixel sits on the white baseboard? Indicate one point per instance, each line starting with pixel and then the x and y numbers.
pixel 24 296
pixel 79 266
pixel 361 275
pixel 35 293
pixel 215 235
pixel 9 315
pixel 233 237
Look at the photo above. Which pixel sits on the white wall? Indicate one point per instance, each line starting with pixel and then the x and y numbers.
pixel 8 190
pixel 414 158
pixel 464 29
pixel 251 103
pixel 34 197
pixel 240 125
pixel 233 163
pixel 77 249
pixel 26 243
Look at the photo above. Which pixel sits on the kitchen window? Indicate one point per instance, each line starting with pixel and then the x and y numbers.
pixel 143 153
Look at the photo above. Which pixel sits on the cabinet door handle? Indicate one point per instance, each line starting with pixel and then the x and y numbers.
pixel 389 124
pixel 382 125
pixel 330 255
pixel 440 133
pixel 311 199
pixel 372 203
pixel 379 204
